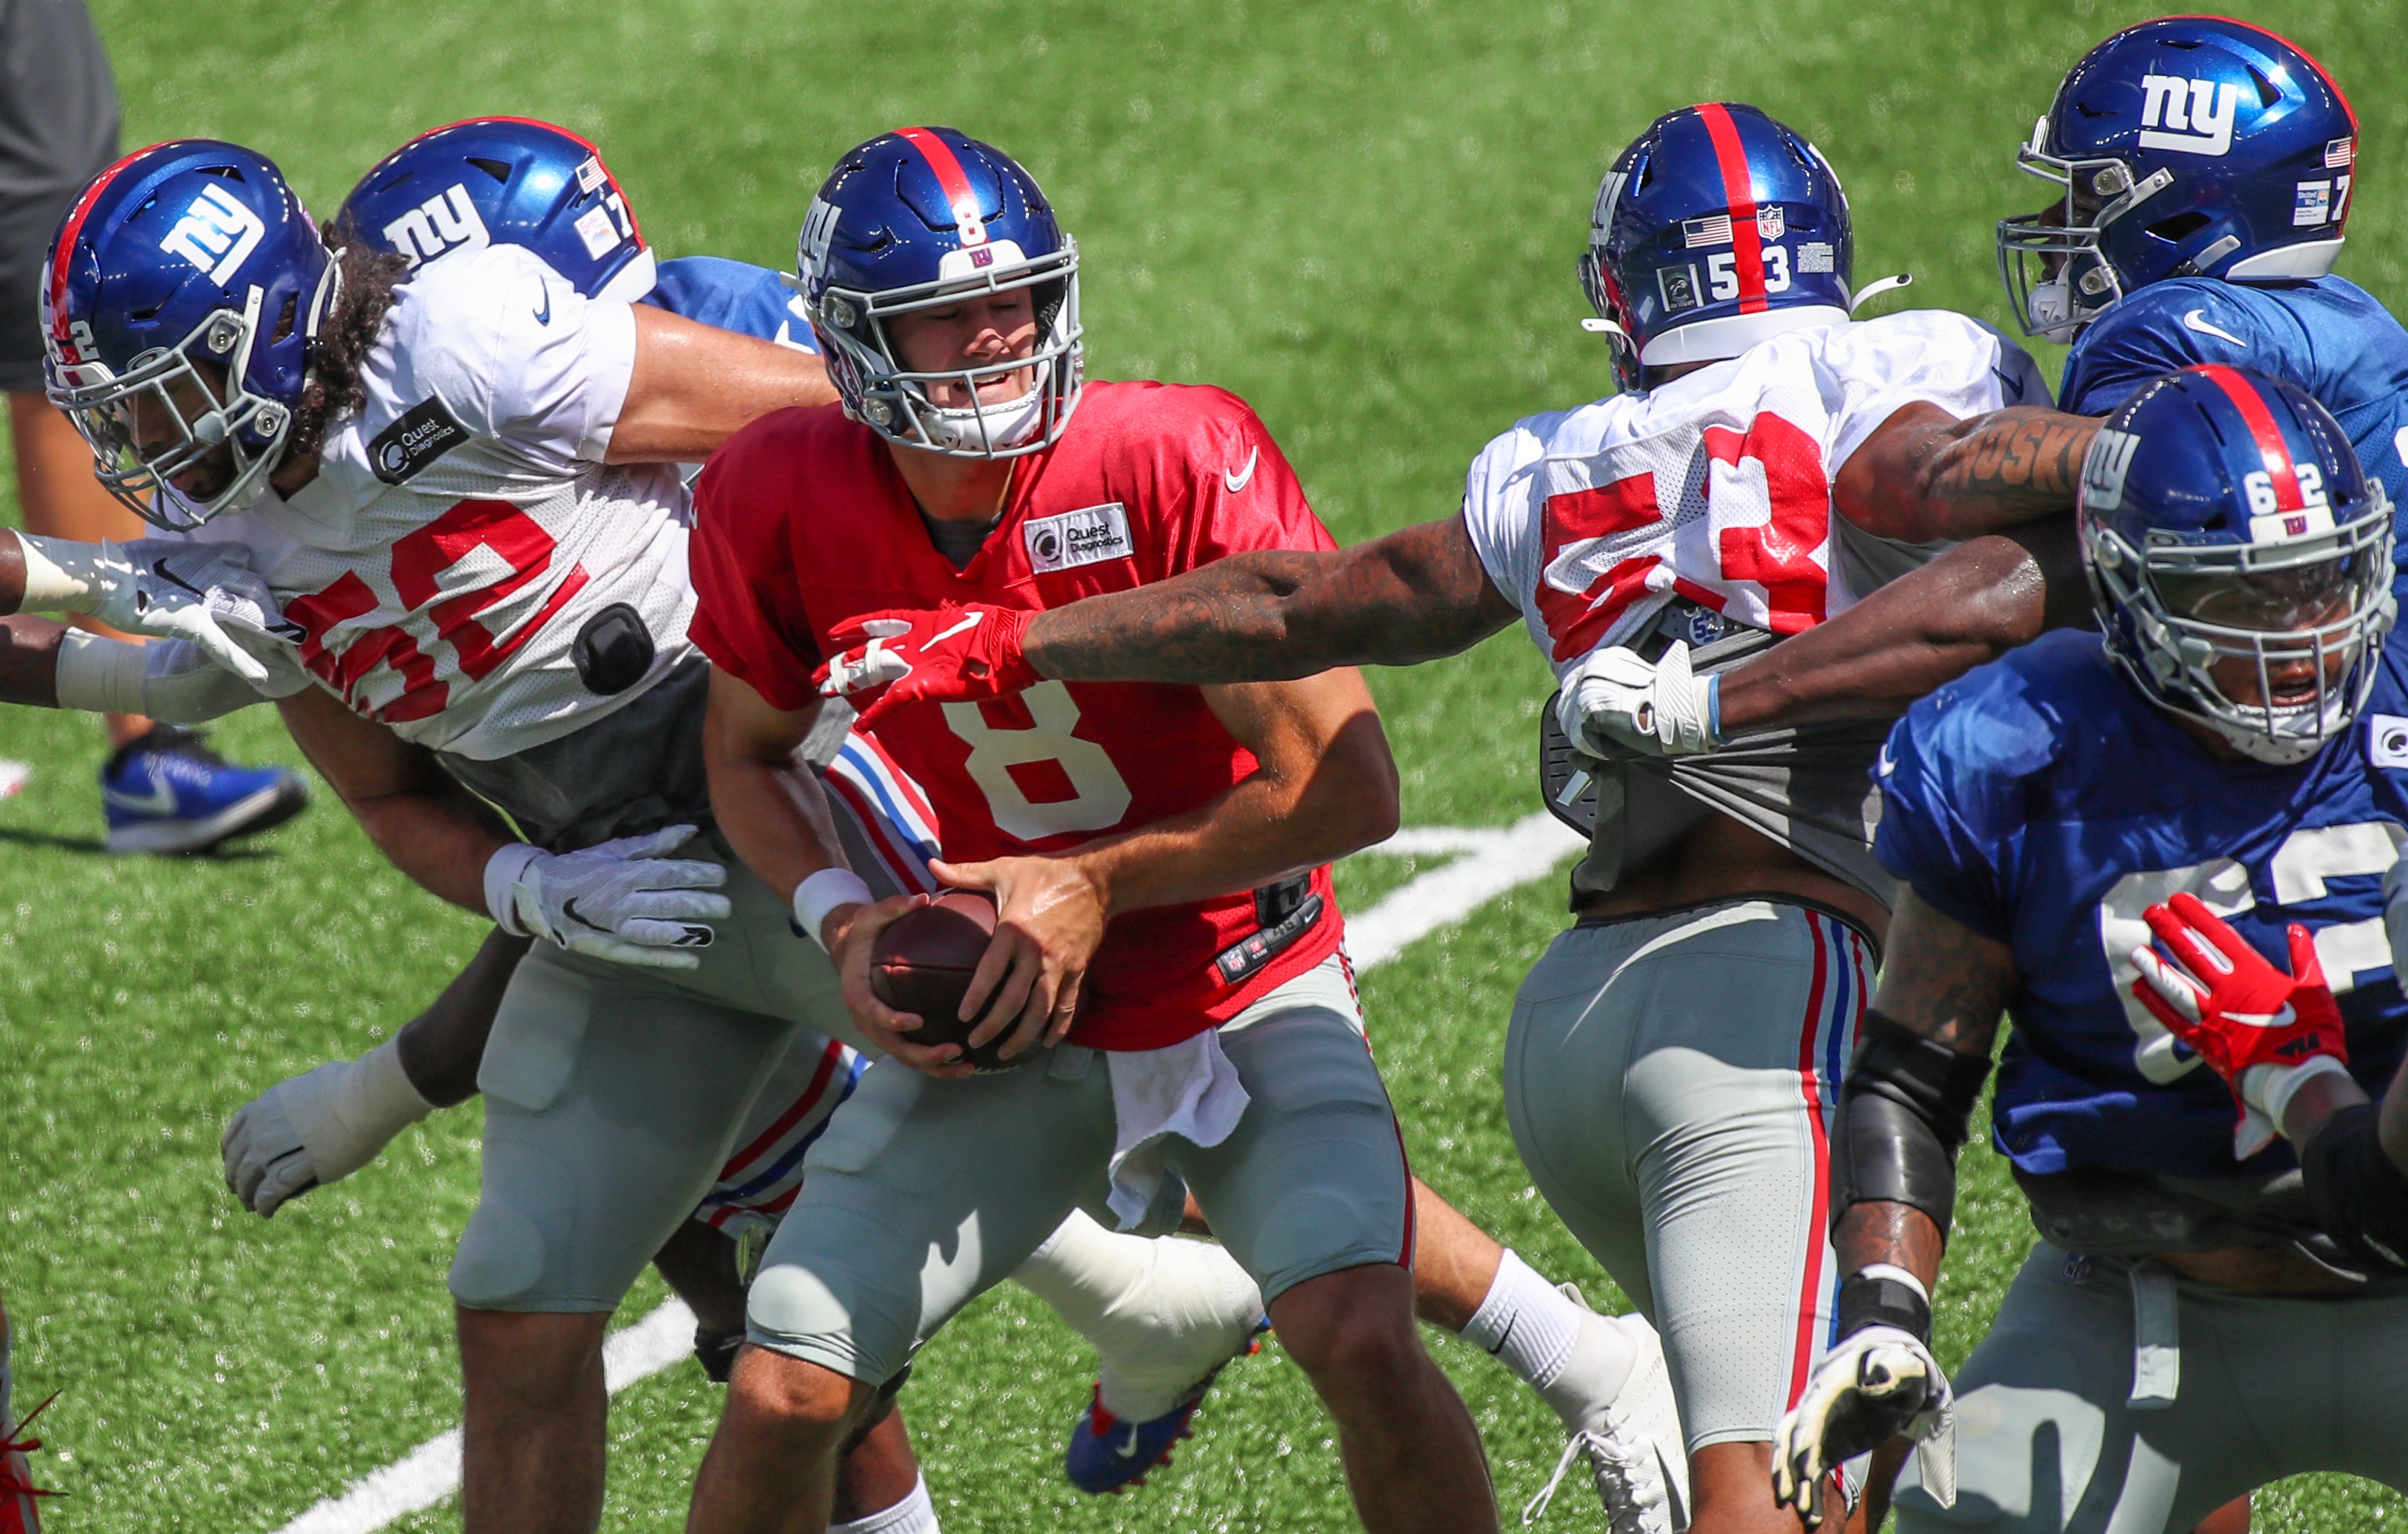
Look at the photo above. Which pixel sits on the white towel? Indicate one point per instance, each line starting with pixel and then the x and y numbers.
pixel 1189 1089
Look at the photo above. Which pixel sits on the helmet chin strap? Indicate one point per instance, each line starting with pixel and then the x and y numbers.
pixel 1006 423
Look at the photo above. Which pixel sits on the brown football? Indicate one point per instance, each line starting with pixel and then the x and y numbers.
pixel 921 963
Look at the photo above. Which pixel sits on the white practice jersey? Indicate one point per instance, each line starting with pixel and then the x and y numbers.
pixel 1717 486
pixel 462 528
pixel 1715 490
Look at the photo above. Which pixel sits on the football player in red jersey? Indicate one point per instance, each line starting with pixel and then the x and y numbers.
pixel 1159 854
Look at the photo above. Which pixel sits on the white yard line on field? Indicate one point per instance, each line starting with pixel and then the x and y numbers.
pixel 1486 864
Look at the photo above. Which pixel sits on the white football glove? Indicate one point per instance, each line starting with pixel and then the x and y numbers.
pixel 1613 702
pixel 141 595
pixel 625 900
pixel 1874 1384
pixel 171 680
pixel 318 1128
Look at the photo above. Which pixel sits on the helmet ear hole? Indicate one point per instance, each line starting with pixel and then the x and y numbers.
pixel 2180 227
pixel 285 317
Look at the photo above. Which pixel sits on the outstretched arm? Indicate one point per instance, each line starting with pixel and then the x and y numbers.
pixel 1965 609
pixel 1413 595
pixel 696 385
pixel 1923 475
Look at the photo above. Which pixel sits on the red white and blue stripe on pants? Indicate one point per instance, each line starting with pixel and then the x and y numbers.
pixel 1827 1039
pixel 760 1181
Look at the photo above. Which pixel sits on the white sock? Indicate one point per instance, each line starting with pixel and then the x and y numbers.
pixel 1575 1360
pixel 1161 1313
pixel 915 1514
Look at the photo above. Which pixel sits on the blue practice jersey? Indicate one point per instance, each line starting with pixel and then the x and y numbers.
pixel 2042 803
pixel 2330 336
pixel 734 296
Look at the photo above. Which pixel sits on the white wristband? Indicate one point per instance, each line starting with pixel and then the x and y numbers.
pixel 502 872
pixel 1896 1274
pixel 822 893
pixel 64 576
pixel 98 674
pixel 2272 1087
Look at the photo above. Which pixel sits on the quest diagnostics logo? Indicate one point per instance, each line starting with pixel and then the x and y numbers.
pixel 1089 536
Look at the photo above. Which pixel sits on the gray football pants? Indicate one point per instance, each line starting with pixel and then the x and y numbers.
pixel 925 1193
pixel 1669 1082
pixel 2048 1442
pixel 614 1094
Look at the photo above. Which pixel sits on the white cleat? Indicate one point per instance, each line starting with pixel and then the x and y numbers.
pixel 1634 1446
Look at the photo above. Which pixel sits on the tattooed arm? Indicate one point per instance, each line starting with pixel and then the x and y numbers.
pixel 1413 595
pixel 1965 609
pixel 1950 985
pixel 1923 475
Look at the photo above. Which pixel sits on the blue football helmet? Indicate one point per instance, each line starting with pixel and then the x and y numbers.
pixel 507 180
pixel 179 304
pixel 918 218
pixel 1716 229
pixel 2233 543
pixel 2190 146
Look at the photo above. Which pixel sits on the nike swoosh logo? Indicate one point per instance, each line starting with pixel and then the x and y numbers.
pixel 161 800
pixel 1240 478
pixel 969 622
pixel 284 628
pixel 1887 764
pixel 1128 1450
pixel 2193 322
pixel 2282 1019
pixel 543 315
pixel 568 909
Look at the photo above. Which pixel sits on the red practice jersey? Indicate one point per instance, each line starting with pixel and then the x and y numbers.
pixel 803 522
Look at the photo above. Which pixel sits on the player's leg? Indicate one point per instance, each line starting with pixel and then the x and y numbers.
pixel 922 1194
pixel 1163 1316
pixel 2049 1436
pixel 1312 1194
pixel 1668 1080
pixel 611 1098
pixel 1603 1376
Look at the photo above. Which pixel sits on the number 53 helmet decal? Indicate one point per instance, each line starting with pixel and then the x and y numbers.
pixel 1716 229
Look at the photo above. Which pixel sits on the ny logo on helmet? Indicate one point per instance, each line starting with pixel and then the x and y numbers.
pixel 819 227
pixel 2198 112
pixel 217 234
pixel 446 221
pixel 2104 467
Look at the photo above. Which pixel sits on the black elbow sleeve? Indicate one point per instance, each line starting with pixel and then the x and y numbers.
pixel 1904 1111
pixel 2360 1199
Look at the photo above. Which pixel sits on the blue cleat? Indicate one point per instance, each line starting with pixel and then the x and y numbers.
pixel 1106 1454
pixel 164 791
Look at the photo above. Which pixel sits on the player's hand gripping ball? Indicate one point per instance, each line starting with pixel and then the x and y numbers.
pixel 921 963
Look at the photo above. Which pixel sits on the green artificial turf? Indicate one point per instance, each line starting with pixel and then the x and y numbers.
pixel 1361 218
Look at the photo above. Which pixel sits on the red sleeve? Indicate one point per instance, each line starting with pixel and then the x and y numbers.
pixel 747 613
pixel 1267 509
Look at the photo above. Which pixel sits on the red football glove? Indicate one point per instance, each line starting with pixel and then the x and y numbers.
pixel 2263 1031
pixel 958 653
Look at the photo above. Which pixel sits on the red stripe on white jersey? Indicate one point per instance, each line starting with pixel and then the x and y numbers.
pixel 2271 449
pixel 949 177
pixel 1739 188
